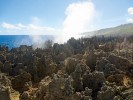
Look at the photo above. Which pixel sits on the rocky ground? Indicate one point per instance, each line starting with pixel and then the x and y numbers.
pixel 97 68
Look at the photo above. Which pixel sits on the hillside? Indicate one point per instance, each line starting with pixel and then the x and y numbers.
pixel 122 30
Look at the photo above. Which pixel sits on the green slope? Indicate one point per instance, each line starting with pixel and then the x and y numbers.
pixel 122 30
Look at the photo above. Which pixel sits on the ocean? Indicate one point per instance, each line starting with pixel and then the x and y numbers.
pixel 16 40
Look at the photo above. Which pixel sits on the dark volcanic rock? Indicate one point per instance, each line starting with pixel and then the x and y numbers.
pixel 2 58
pixel 119 62
pixel 104 65
pixel 6 67
pixel 77 80
pixel 127 94
pixel 70 64
pixel 91 60
pixel 5 87
pixel 4 93
pixel 106 93
pixel 19 81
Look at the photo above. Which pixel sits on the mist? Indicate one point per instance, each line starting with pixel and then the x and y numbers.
pixel 79 18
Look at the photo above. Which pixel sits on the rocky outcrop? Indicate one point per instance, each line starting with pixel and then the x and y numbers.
pixel 127 94
pixel 77 80
pixel 106 93
pixel 84 69
pixel 6 67
pixel 120 80
pixel 119 62
pixel 19 81
pixel 91 59
pixel 2 58
pixel 70 64
pixel 6 91
pixel 104 65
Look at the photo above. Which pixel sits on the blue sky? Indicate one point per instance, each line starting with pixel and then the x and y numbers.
pixel 62 16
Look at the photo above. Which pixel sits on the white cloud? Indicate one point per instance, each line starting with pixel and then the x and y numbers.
pixel 40 30
pixel 29 29
pixel 130 15
pixel 130 10
pixel 36 20
pixel 79 18
pixel 130 20
pixel 10 26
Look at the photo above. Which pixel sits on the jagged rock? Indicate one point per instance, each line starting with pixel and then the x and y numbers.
pixel 2 58
pixel 130 70
pixel 106 93
pixel 4 93
pixel 43 88
pixel 78 56
pixel 60 88
pixel 118 98
pixel 77 80
pixel 19 81
pixel 88 92
pixel 4 80
pixel 119 62
pixel 1 65
pixel 27 86
pixel 107 47
pixel 120 80
pixel 84 67
pixel 104 65
pixel 17 69
pixel 6 67
pixel 46 67
pixel 3 48
pixel 86 95
pixel 70 64
pixel 25 96
pixel 77 96
pixel 127 94
pixel 91 60
pixel 100 53
pixel 10 57
pixel 86 77
pixel 93 80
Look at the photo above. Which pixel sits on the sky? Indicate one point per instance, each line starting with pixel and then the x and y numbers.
pixel 62 17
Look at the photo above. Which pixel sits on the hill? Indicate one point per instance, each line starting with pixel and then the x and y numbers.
pixel 122 30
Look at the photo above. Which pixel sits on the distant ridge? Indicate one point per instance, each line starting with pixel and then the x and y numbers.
pixel 122 30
